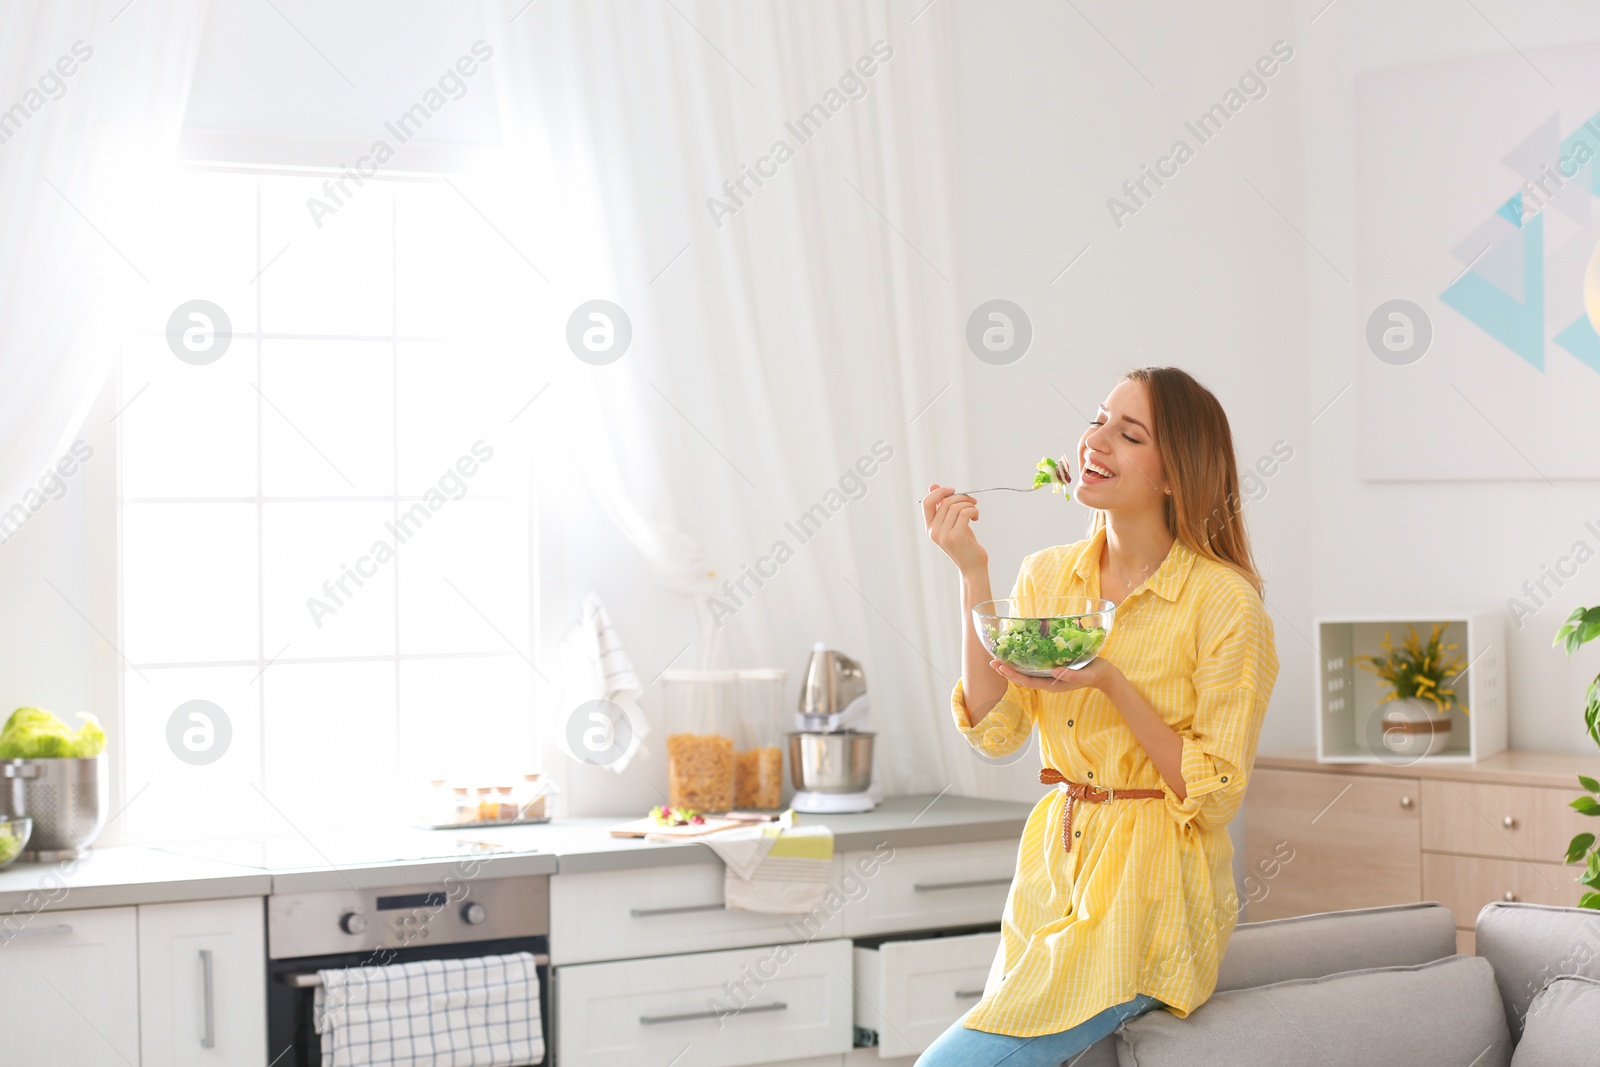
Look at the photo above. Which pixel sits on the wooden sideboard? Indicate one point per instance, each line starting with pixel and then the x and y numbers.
pixel 1325 836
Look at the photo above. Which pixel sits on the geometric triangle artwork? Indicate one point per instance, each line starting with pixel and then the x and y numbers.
pixel 1515 321
pixel 1503 289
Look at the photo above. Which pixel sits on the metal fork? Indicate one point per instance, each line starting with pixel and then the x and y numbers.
pixel 997 489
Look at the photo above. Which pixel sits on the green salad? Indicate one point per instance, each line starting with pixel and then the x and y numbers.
pixel 1044 644
pixel 10 845
pixel 1056 473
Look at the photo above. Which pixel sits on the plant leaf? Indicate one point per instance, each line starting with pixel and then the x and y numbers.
pixel 1589 783
pixel 1586 806
pixel 1589 900
pixel 1579 846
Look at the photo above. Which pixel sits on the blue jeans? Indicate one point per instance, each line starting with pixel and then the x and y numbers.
pixel 960 1047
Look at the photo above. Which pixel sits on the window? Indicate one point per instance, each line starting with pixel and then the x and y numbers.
pixel 325 530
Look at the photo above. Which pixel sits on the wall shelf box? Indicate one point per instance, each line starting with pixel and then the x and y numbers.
pixel 1349 727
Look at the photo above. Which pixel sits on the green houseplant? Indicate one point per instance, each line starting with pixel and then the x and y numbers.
pixel 1420 675
pixel 1582 626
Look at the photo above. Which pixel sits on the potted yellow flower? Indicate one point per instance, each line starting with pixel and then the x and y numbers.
pixel 1421 676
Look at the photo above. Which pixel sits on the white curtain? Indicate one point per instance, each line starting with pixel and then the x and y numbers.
pixel 91 93
pixel 772 352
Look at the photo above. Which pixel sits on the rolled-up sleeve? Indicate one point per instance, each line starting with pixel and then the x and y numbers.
pixel 1007 726
pixel 1236 665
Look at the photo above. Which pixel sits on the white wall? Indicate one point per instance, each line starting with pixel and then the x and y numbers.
pixel 1400 547
pixel 1207 277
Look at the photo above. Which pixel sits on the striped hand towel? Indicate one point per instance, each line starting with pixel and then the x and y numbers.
pixel 781 868
pixel 595 666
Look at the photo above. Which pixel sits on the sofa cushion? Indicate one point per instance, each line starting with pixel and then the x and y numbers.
pixel 1444 1013
pixel 1562 1026
pixel 1529 944
pixel 1309 946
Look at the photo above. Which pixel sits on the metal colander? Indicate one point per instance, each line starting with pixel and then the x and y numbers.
pixel 65 798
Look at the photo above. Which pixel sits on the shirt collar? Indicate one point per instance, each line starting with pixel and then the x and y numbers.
pixel 1166 582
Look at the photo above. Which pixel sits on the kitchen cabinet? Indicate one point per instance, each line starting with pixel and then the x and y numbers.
pixel 910 990
pixel 71 988
pixel 202 984
pixel 636 970
pixel 677 909
pixel 744 1006
pixel 1462 834
pixel 1325 841
pixel 932 886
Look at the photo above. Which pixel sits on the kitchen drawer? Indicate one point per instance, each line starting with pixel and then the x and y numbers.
pixel 1316 841
pixel 932 886
pixel 1511 821
pixel 1464 884
pixel 609 915
pixel 71 984
pixel 753 1005
pixel 911 991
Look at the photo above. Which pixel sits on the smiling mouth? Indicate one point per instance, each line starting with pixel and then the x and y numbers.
pixel 1094 473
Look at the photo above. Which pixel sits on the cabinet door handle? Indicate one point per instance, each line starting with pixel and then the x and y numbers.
pixel 1510 896
pixel 58 930
pixel 968 994
pixel 208 1004
pixel 930 887
pixel 1405 802
pixel 1509 822
pixel 643 913
pixel 652 1020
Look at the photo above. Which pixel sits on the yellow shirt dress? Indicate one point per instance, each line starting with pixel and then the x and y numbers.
pixel 1144 902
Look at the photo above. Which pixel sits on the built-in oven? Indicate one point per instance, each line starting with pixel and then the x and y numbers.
pixel 461 917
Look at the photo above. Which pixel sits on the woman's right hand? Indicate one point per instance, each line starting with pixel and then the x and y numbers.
pixel 949 516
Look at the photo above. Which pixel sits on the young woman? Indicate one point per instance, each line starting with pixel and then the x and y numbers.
pixel 1121 903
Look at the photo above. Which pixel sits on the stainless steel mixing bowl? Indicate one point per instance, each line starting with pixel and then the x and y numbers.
pixel 831 762
pixel 65 798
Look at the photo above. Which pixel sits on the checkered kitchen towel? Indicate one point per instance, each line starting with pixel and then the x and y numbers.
pixel 481 1012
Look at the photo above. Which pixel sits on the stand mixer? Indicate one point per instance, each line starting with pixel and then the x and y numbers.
pixel 830 754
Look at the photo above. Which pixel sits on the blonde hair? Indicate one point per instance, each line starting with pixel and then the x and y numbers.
pixel 1192 437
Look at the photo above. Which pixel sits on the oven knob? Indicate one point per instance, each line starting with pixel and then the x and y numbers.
pixel 353 923
pixel 473 913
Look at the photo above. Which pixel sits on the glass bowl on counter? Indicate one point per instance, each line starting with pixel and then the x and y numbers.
pixel 14 833
pixel 1039 635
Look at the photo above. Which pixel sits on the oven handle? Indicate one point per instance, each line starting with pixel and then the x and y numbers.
pixel 313 979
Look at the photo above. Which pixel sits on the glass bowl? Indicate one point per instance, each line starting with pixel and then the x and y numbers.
pixel 1039 635
pixel 14 834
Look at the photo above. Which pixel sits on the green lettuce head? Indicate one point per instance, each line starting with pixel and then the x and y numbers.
pixel 33 733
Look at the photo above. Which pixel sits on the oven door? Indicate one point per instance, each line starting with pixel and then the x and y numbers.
pixel 292 986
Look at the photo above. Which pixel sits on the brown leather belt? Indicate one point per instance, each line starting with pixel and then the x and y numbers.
pixel 1077 791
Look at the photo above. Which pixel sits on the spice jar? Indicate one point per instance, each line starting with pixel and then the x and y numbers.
pixel 758 756
pixel 466 807
pixel 700 726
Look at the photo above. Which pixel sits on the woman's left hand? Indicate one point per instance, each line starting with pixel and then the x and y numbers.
pixel 1096 674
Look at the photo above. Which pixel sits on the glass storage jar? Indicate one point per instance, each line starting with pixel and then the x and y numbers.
pixel 701 722
pixel 758 755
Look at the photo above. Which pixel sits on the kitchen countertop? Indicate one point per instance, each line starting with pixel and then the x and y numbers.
pixel 210 870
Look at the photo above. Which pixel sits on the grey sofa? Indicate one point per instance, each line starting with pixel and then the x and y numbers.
pixel 1386 986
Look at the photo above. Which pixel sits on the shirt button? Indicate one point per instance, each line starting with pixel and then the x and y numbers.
pixel 1069 722
pixel 1224 777
pixel 1091 774
pixel 1077 833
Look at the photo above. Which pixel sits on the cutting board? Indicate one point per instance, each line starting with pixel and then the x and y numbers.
pixel 649 827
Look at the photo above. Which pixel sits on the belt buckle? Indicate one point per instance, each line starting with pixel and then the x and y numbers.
pixel 1111 794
